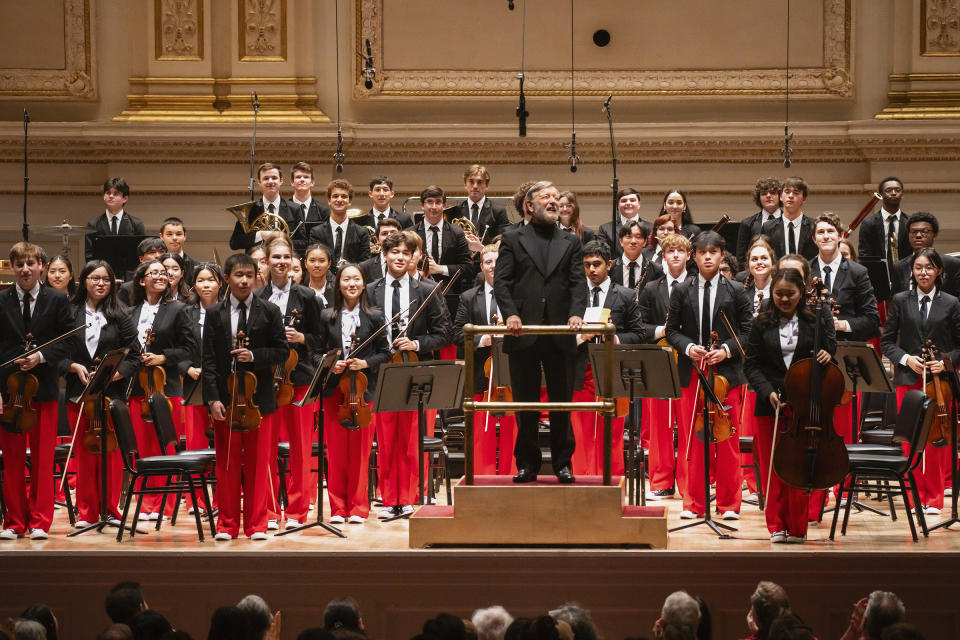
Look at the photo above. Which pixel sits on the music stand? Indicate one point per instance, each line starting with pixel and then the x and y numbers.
pixel 315 394
pixel 193 391
pixel 120 252
pixel 880 277
pixel 640 371
pixel 409 386
pixel 94 391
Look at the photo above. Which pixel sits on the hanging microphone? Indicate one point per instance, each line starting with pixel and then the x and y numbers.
pixel 369 73
pixel 522 112
pixel 786 150
pixel 606 103
pixel 573 158
pixel 26 117
pixel 338 156
pixel 510 5
pixel 256 101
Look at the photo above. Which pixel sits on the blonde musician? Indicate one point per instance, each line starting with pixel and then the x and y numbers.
pixel 925 312
pixel 166 340
pixel 242 457
pixel 347 325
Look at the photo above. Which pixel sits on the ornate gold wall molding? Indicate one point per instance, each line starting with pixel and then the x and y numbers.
pixel 178 29
pixel 939 28
pixel 922 96
pixel 263 30
pixel 77 80
pixel 833 80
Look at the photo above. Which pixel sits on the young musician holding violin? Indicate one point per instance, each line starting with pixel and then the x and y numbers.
pixel 301 314
pixel 624 312
pixel 348 326
pixel 659 415
pixel 419 331
pixel 695 310
pixel 166 340
pixel 243 340
pixel 43 313
pixel 478 306
pixel 926 312
pixel 95 304
pixel 781 335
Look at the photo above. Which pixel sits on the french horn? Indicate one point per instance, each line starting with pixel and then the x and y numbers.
pixel 264 222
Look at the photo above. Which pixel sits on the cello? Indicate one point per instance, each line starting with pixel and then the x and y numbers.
pixel 354 412
pixel 242 413
pixel 810 453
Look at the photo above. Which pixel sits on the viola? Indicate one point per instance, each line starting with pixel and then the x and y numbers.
pixel 939 390
pixel 242 413
pixel 19 415
pixel 281 375
pixel 152 380
pixel 810 453
pixel 720 424
pixel 354 412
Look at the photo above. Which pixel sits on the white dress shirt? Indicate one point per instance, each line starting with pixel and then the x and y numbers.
pixel 388 310
pixel 789 334
pixel 281 297
pixel 95 322
pixel 148 312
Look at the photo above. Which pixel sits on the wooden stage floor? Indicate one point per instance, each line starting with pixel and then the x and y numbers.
pixel 399 587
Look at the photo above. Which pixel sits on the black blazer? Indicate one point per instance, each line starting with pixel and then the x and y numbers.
pixel 493 218
pixel 654 303
pixel 853 293
pixel 116 334
pixel 431 328
pixel 268 343
pixel 356 242
pixel 304 301
pixel 369 220
pixel 473 309
pixel 540 293
pixel 377 353
pixel 903 333
pixel 649 269
pixel 611 236
pixel 764 366
pixel 317 213
pixel 625 316
pixel 174 338
pixel 688 231
pixel 454 253
pixel 774 230
pixel 189 267
pixel 901 274
pixel 129 226
pixel 240 241
pixel 683 325
pixel 51 317
pixel 750 228
pixel 372 268
pixel 873 237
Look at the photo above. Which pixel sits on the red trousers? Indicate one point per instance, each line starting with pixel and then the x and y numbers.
pixel 786 509
pixel 348 461
pixel 397 442
pixel 30 508
pixel 930 473
pixel 725 456
pixel 588 431
pixel 658 419
pixel 493 453
pixel 243 472
pixel 295 425
pixel 89 473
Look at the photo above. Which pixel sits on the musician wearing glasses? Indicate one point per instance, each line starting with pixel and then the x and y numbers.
pixel 922 229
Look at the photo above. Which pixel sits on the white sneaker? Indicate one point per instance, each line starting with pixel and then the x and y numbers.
pixel 38 534
pixel 948 491
pixel 259 535
pixel 143 516
pixel 154 516
pixel 406 510
pixel 337 519
pixel 223 536
pixel 796 539
pixel 291 523
pixel 114 521
pixel 686 514
pixel 752 496
pixel 778 537
pixel 385 513
pixel 9 534
pixel 930 511
pixel 273 525
pixel 356 520
pixel 81 524
pixel 730 515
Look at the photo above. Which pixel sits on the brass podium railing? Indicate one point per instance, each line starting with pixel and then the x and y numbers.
pixel 607 406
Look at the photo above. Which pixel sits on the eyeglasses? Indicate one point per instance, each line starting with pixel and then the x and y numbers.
pixel 921 232
pixel 156 275
pixel 925 268
pixel 97 279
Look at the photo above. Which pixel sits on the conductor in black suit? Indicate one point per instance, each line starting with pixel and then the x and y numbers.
pixel 488 218
pixel 792 232
pixel 381 193
pixel 269 178
pixel 539 279
pixel 878 228
pixel 115 221
pixel 350 242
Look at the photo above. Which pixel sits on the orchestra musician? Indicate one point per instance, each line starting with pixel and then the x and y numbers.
pixel 301 312
pixel 269 179
pixel 319 277
pixel 882 234
pixel 177 286
pixel 539 279
pixel 381 193
pixel 662 227
pixel 675 205
pixel 172 343
pixel 114 221
pixel 109 327
pixel 570 218
pixel 781 334
pixel 632 267
pixel 628 206
pixel 792 232
pixel 149 249
pixel 44 313
pixel 603 293
pixel 694 313
pixel 58 274
pixel 922 229
pixel 242 457
pixel 397 431
pixel 350 242
pixel 659 415
pixel 308 210
pixel 351 320
pixel 174 236
pixel 925 312
pixel 488 218
pixel 446 251
pixel 373 268
pixel 766 195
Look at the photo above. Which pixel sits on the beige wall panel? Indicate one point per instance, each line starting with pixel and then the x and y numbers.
pixel 36 42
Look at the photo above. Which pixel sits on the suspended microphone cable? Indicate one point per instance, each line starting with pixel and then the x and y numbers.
pixel 338 156
pixel 786 151
pixel 573 158
pixel 522 112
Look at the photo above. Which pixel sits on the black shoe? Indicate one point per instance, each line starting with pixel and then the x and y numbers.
pixel 565 476
pixel 525 475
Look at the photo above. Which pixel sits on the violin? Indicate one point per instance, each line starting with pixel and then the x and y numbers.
pixel 403 355
pixel 354 412
pixel 402 326
pixel 810 453
pixel 152 380
pixel 19 415
pixel 939 390
pixel 242 413
pixel 281 375
pixel 495 393
pixel 720 423
pixel 98 432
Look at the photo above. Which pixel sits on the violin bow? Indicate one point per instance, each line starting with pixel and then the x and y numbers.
pixel 76 427
pixel 60 338
pixel 773 448
pixel 743 354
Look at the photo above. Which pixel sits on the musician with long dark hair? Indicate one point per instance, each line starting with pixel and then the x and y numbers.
pixel 782 334
pixel 109 327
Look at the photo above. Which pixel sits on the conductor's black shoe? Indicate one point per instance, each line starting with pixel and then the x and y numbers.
pixel 565 476
pixel 525 475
